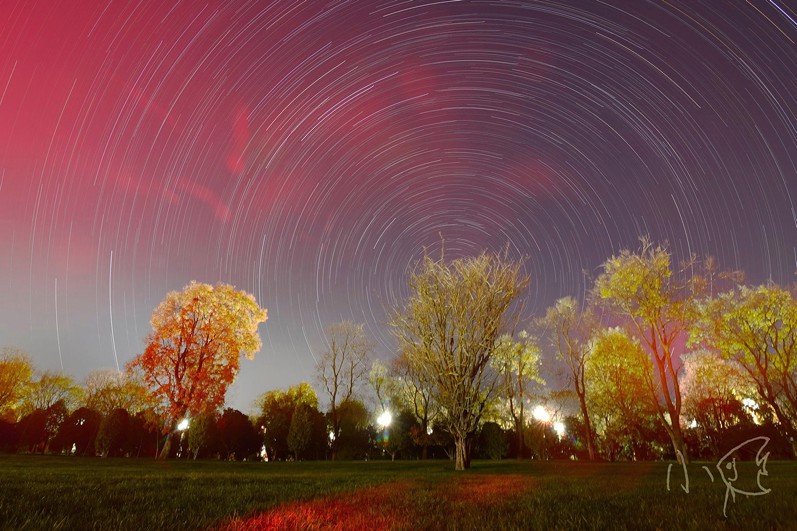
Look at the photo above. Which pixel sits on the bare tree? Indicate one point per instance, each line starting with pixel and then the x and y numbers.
pixel 569 330
pixel 342 368
pixel 519 363
pixel 449 328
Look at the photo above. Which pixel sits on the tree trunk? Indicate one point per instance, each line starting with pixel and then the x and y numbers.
pixel 588 426
pixel 167 447
pixel 519 427
pixel 461 452
pixel 677 437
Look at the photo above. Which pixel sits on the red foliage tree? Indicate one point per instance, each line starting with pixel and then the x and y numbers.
pixel 193 352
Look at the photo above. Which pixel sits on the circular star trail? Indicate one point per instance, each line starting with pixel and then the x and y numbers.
pixel 309 152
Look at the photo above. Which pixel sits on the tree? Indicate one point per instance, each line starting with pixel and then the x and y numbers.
pixel 50 389
pixel 9 436
pixel 16 371
pixel 32 431
pixel 616 380
pixel 519 363
pixel 354 436
pixel 713 390
pixel 145 433
pixel 569 329
pixel 240 437
pixel 300 433
pixel 449 329
pixel 112 437
pixel 78 431
pixel 413 391
pixel 342 368
pixel 193 352
pixel 381 383
pixel 396 438
pixel 756 328
pixel 492 441
pixel 660 307
pixel 107 389
pixel 203 434
pixel 277 409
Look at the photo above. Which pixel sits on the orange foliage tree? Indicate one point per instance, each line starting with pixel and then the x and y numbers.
pixel 193 352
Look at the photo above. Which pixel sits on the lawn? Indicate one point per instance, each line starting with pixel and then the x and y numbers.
pixel 47 492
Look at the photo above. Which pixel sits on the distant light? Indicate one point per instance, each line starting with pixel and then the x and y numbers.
pixel 183 425
pixel 331 436
pixel 384 419
pixel 693 424
pixel 559 428
pixel 753 407
pixel 541 414
pixel 750 403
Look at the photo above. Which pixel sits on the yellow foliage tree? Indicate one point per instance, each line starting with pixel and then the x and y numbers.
pixel 660 306
pixel 449 329
pixel 16 372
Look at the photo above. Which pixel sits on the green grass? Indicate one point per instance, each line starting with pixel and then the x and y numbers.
pixel 48 492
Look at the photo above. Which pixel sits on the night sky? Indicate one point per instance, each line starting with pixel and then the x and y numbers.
pixel 306 152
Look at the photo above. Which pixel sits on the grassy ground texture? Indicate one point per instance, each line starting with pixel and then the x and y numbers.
pixel 47 492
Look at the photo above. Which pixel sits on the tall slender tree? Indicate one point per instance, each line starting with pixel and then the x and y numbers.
pixel 569 330
pixel 519 364
pixel 660 308
pixel 342 368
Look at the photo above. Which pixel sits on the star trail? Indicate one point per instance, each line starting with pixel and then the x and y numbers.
pixel 308 152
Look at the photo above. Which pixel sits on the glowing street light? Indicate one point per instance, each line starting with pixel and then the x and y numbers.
pixel 559 428
pixel 541 414
pixel 181 427
pixel 384 419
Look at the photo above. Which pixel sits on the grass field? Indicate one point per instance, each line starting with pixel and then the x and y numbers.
pixel 47 492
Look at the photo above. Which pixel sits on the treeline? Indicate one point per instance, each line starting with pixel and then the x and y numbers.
pixel 109 416
pixel 658 361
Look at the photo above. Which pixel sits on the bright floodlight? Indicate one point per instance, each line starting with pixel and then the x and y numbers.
pixel 541 414
pixel 559 428
pixel 183 425
pixel 384 419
